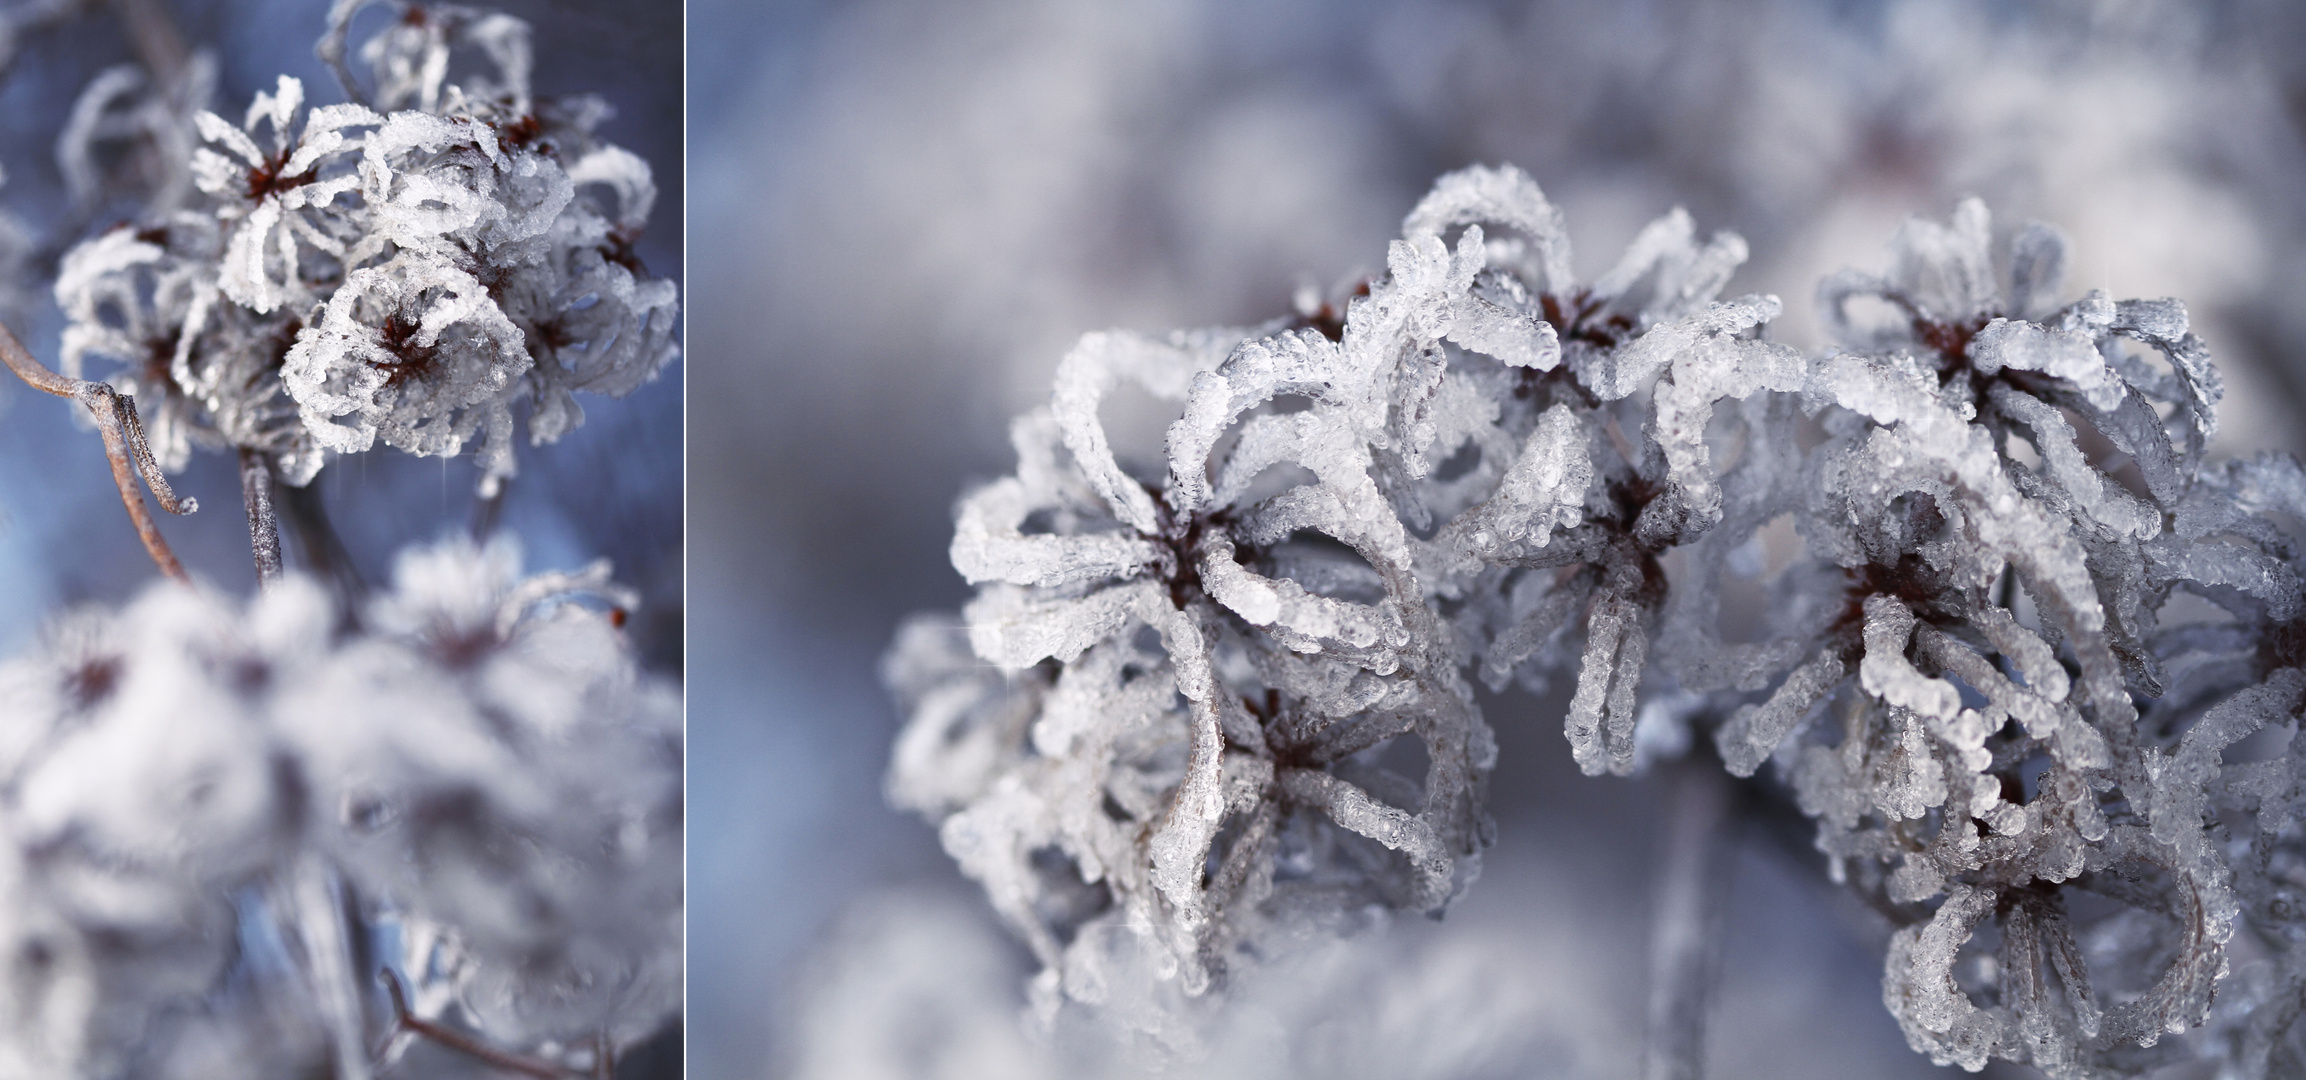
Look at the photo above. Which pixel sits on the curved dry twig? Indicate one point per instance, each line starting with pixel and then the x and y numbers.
pixel 406 1022
pixel 124 445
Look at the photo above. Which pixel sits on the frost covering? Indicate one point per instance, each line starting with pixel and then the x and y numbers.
pixel 194 788
pixel 409 273
pixel 2030 662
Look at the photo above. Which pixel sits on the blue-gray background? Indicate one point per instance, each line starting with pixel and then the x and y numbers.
pixel 905 212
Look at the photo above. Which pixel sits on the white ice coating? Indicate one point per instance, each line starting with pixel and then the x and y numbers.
pixel 188 747
pixel 1088 373
pixel 1502 196
pixel 1887 674
pixel 1544 491
pixel 2070 355
pixel 1969 662
pixel 1753 733
pixel 429 262
pixel 988 546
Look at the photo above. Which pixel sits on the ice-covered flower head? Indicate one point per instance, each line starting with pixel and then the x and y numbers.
pixel 1220 668
pixel 415 352
pixel 2012 622
pixel 433 261
pixel 280 200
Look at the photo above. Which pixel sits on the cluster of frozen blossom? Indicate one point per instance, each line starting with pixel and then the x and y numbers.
pixel 219 823
pixel 2030 663
pixel 436 830
pixel 408 268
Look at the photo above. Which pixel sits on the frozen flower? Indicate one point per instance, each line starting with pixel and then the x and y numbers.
pixel 278 202
pixel 2014 623
pixel 410 58
pixel 407 274
pixel 486 768
pixel 413 351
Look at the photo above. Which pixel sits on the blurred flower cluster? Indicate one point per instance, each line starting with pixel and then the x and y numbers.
pixel 2022 651
pixel 480 791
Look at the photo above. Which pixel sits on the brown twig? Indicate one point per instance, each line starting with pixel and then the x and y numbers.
pixel 263 524
pixel 465 1044
pixel 124 445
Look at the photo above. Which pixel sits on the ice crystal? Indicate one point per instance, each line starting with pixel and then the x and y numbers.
pixel 2022 624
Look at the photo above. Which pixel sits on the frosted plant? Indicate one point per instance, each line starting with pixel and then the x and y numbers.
pixel 2018 623
pixel 410 58
pixel 1604 464
pixel 306 833
pixel 147 123
pixel 484 771
pixel 2005 588
pixel 208 372
pixel 431 263
pixel 413 351
pixel 1240 648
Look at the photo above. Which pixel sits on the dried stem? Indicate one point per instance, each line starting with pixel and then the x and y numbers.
pixel 323 550
pixel 1683 945
pixel 263 525
pixel 410 1023
pixel 124 444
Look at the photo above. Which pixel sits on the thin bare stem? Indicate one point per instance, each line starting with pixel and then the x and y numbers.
pixel 21 361
pixel 324 552
pixel 106 404
pixel 263 524
pixel 1683 945
pixel 140 453
pixel 124 445
pixel 465 1044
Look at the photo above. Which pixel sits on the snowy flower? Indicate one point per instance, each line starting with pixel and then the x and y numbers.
pixel 2015 620
pixel 413 351
pixel 487 768
pixel 279 201
pixel 410 58
pixel 408 274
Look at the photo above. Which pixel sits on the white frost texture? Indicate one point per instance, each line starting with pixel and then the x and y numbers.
pixel 409 274
pixel 218 817
pixel 2031 663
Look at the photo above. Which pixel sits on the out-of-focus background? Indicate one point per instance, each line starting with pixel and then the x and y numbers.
pixel 906 212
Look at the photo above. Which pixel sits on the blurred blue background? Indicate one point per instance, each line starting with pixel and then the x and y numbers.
pixel 906 212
